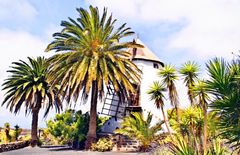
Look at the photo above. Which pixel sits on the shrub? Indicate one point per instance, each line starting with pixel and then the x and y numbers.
pixel 103 144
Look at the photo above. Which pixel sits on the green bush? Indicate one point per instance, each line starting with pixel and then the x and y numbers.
pixel 71 127
pixel 103 144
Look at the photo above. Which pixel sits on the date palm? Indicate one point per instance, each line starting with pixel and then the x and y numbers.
pixel 189 71
pixel 93 58
pixel 140 128
pixel 27 86
pixel 169 77
pixel 200 90
pixel 156 94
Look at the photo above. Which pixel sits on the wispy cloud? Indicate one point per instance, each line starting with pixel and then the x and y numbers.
pixel 211 29
pixel 16 9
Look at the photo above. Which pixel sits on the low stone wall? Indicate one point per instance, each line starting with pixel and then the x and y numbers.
pixel 13 146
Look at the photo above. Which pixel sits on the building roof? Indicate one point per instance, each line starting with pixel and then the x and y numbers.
pixel 143 53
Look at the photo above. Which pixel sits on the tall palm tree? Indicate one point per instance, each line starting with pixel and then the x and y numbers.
pixel 200 90
pixel 224 85
pixel 93 59
pixel 169 75
pixel 189 71
pixel 136 126
pixel 27 86
pixel 156 94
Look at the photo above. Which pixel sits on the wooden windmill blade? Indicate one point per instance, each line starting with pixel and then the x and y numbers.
pixel 112 105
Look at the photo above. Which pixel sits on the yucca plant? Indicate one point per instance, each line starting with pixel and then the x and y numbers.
pixel 200 90
pixel 169 76
pixel 224 85
pixel 137 127
pixel 189 71
pixel 180 147
pixel 156 94
pixel 217 148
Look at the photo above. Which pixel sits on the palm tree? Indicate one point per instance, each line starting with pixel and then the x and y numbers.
pixel 200 90
pixel 135 126
pixel 156 94
pixel 189 71
pixel 224 85
pixel 93 59
pixel 27 85
pixel 168 73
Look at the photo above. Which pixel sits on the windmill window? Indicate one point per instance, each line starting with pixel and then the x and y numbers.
pixel 155 65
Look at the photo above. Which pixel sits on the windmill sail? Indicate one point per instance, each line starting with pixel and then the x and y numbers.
pixel 112 105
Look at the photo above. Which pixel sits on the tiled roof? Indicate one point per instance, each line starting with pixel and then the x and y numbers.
pixel 143 53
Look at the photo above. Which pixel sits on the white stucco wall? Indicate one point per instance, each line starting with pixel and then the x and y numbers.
pixel 149 75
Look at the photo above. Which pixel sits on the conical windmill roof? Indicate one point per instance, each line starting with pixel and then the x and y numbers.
pixel 143 53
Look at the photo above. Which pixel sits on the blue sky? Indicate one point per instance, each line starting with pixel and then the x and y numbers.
pixel 176 31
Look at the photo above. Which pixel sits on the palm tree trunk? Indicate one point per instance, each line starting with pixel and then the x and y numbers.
pixel 34 136
pixel 166 121
pixel 92 130
pixel 190 94
pixel 35 112
pixel 205 130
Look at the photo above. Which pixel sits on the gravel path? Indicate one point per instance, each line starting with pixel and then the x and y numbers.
pixel 60 150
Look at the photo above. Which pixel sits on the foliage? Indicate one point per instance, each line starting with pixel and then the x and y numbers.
pixel 27 86
pixel 189 71
pixel 17 132
pixel 7 129
pixel 136 127
pixel 94 57
pixel 180 147
pixel 217 148
pixel 28 83
pixel 102 145
pixel 156 94
pixel 225 88
pixel 71 127
pixel 169 76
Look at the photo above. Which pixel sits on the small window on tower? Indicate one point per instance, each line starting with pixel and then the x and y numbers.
pixel 155 65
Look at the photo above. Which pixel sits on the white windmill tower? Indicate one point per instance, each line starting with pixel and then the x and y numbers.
pixel 149 63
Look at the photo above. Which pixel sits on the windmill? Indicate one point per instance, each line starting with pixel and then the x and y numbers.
pixel 149 63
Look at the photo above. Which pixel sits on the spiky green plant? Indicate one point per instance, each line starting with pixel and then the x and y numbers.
pixel 137 127
pixel 180 147
pixel 200 90
pixel 224 85
pixel 169 76
pixel 189 71
pixel 156 94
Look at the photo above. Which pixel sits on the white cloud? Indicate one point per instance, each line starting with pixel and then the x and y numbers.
pixel 15 45
pixel 211 29
pixel 16 9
